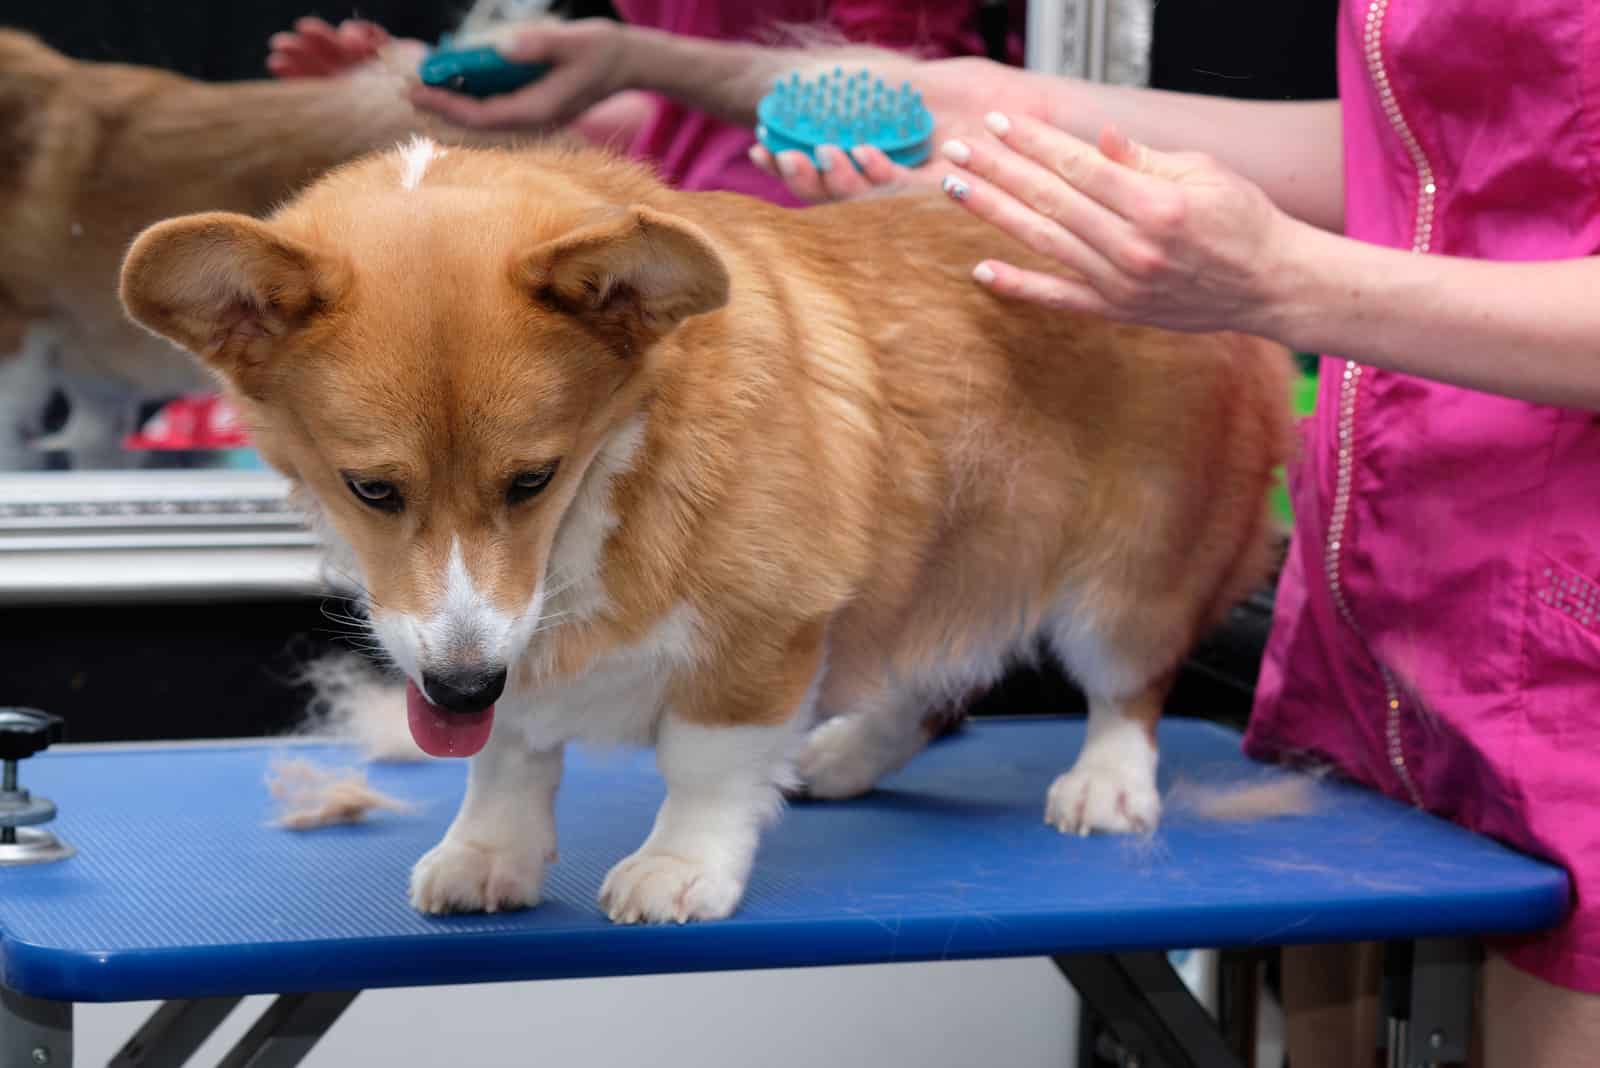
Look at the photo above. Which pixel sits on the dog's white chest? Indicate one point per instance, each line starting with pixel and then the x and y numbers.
pixel 618 700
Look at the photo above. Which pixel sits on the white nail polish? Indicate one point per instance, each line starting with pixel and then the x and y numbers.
pixel 957 151
pixel 997 123
pixel 954 187
pixel 786 166
pixel 983 273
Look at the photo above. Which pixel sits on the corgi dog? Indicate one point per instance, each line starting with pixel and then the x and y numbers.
pixel 760 487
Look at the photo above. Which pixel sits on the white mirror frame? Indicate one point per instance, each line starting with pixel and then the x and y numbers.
pixel 96 536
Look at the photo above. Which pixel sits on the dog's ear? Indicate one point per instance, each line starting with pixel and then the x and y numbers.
pixel 226 287
pixel 633 277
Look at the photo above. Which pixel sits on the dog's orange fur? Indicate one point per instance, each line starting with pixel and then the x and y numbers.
pixel 852 453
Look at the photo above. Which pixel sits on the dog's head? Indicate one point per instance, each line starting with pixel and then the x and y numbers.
pixel 437 348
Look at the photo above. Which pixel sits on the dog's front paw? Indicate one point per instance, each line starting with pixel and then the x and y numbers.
pixel 657 887
pixel 1103 796
pixel 467 877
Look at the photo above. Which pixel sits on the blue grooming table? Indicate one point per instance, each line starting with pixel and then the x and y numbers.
pixel 181 888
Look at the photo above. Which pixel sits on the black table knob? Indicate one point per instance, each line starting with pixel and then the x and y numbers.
pixel 25 731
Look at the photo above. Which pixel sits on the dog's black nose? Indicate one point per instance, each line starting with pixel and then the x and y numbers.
pixel 465 691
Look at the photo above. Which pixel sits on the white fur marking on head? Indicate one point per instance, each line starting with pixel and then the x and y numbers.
pixel 415 155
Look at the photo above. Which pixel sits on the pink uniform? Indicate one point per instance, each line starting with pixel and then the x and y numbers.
pixel 695 151
pixel 1438 623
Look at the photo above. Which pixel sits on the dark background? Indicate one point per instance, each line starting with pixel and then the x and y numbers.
pixel 224 669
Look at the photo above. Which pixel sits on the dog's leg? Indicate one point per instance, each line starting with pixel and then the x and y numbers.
pixel 493 856
pixel 723 787
pixel 846 756
pixel 1112 786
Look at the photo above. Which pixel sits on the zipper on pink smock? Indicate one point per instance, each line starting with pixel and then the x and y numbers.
pixel 1350 384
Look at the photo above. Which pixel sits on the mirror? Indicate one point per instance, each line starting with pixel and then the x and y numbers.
pixel 121 470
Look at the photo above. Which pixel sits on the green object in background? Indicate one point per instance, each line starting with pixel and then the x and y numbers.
pixel 1305 399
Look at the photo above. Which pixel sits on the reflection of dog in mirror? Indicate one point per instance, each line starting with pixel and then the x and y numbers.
pixel 91 153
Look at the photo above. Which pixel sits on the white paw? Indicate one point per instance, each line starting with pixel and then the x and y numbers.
pixel 1097 796
pixel 656 887
pixel 466 877
pixel 840 761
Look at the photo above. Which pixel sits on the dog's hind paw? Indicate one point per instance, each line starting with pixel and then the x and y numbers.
pixel 1097 796
pixel 655 887
pixel 465 877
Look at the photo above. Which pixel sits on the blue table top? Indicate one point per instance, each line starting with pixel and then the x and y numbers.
pixel 183 888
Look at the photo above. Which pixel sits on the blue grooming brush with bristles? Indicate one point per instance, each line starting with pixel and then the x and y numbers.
pixel 845 111
pixel 478 71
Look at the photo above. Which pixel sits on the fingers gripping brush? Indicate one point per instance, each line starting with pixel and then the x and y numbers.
pixel 845 111
pixel 476 70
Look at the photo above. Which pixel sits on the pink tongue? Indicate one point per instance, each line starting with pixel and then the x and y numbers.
pixel 446 734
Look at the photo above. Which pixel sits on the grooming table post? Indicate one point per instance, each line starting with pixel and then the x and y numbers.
pixel 1148 1009
pixel 1428 991
pixel 174 1031
pixel 34 1032
pixel 287 1031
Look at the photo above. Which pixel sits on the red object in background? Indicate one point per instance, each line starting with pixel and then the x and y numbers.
pixel 197 423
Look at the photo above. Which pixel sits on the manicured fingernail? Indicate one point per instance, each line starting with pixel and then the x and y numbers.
pixel 955 188
pixel 997 123
pixel 983 273
pixel 786 165
pixel 860 154
pixel 957 151
pixel 755 154
pixel 824 158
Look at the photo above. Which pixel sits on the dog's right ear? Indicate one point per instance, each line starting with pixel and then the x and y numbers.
pixel 226 287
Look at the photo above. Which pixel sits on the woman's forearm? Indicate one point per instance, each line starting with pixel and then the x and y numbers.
pixel 1524 330
pixel 1292 150
pixel 722 78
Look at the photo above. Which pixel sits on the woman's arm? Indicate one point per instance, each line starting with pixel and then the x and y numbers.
pixel 1176 240
pixel 1291 150
pixel 1524 330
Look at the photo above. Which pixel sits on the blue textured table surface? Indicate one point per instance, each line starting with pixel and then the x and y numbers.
pixel 182 888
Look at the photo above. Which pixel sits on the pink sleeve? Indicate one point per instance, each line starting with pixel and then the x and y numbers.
pixel 933 29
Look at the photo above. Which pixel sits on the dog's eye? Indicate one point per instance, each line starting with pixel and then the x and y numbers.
pixel 529 484
pixel 375 493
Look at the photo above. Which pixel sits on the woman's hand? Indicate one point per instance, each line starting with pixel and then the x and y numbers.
pixel 1170 240
pixel 316 49
pixel 958 92
pixel 586 59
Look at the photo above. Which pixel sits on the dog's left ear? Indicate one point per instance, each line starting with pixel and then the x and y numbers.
pixel 634 277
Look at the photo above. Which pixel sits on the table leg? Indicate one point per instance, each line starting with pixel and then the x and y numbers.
pixel 1428 994
pixel 174 1031
pixel 287 1030
pixel 1148 1009
pixel 34 1033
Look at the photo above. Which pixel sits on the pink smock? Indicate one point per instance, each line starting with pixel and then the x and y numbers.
pixel 1437 631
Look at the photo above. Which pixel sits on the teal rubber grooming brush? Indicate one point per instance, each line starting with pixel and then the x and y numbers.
pixel 477 70
pixel 845 111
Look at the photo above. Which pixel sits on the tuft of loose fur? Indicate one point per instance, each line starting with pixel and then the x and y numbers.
pixel 311 797
pixel 1270 798
pixel 354 702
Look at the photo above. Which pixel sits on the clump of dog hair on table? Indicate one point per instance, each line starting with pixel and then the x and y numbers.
pixel 311 797
pixel 1278 795
pixel 353 702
